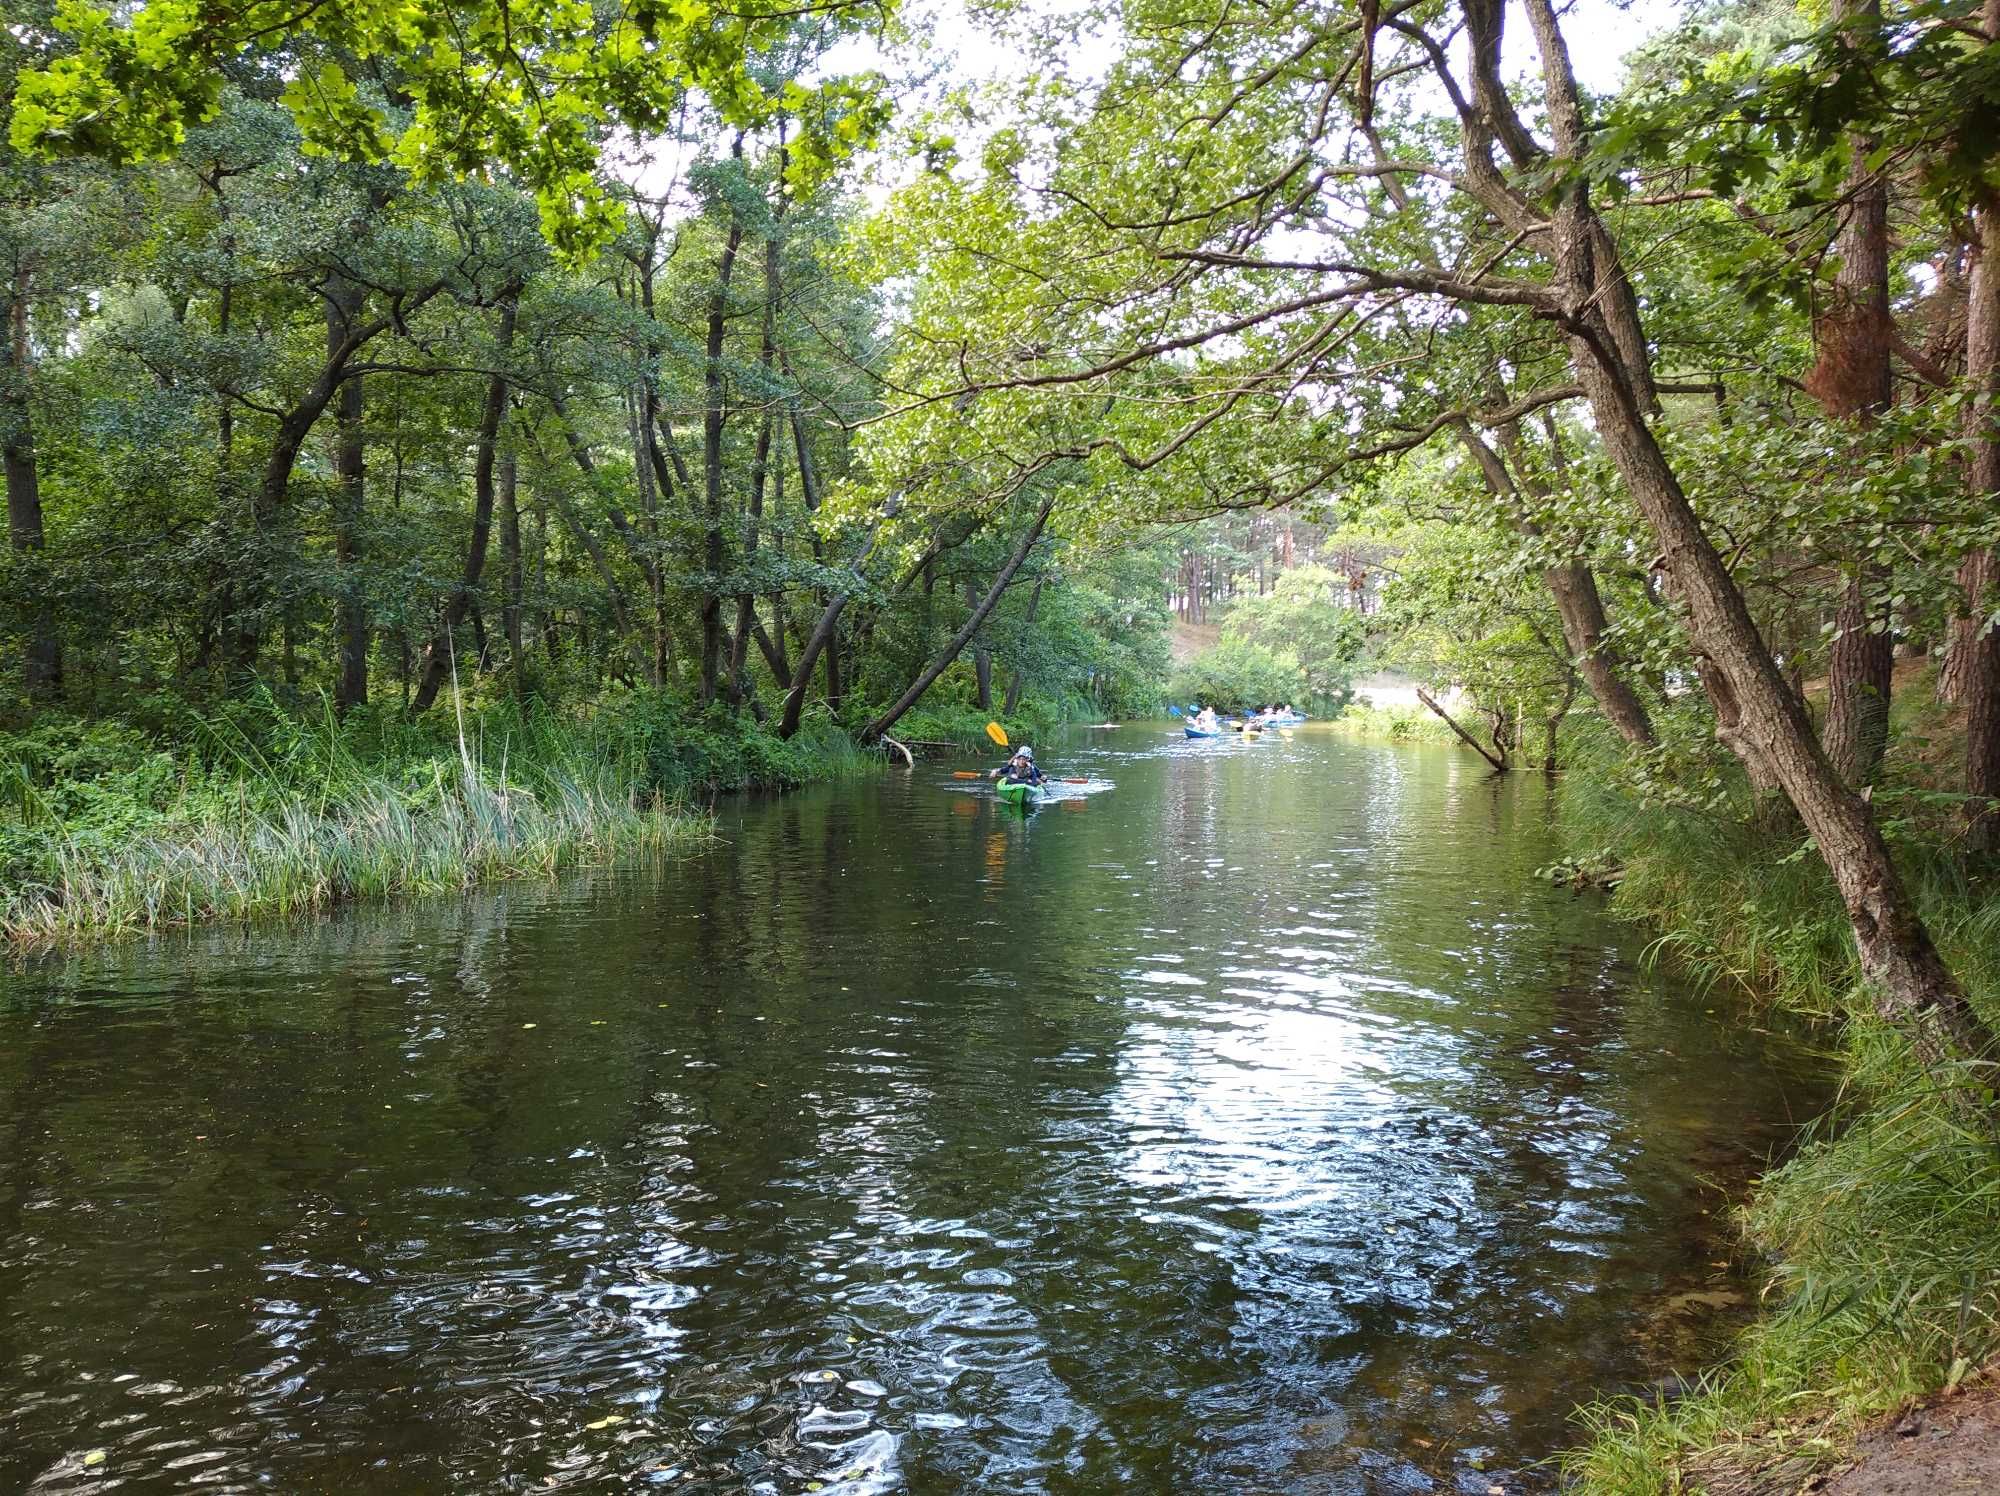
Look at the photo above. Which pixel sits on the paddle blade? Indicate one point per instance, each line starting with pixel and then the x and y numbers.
pixel 966 774
pixel 994 731
pixel 1173 711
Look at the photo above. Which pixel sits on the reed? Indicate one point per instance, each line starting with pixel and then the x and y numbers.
pixel 311 812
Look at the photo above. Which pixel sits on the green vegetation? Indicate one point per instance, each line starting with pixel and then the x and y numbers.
pixel 1883 1232
pixel 1300 643
pixel 262 812
pixel 1408 724
pixel 565 361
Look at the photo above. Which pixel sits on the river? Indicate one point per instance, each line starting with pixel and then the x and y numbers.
pixel 1251 1120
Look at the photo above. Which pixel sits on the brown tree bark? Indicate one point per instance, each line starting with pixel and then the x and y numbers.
pixel 1851 378
pixel 1912 987
pixel 1859 678
pixel 439 654
pixel 343 305
pixel 1578 604
pixel 1979 576
pixel 970 627
pixel 41 653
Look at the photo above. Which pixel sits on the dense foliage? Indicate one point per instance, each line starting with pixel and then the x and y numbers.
pixel 1659 425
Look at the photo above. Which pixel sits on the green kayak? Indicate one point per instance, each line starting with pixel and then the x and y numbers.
pixel 1021 794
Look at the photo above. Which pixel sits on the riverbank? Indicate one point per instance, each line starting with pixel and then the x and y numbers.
pixel 1881 1234
pixel 1402 724
pixel 113 825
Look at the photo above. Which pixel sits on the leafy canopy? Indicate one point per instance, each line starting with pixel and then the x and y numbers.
pixel 441 90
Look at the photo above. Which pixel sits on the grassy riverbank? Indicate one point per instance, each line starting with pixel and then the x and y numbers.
pixel 1406 724
pixel 111 826
pixel 1882 1234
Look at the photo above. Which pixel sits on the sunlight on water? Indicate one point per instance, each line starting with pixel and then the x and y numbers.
pixel 1247 1119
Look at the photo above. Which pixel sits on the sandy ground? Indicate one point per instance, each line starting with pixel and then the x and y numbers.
pixel 1945 1446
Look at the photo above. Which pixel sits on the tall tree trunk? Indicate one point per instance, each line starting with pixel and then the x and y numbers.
pixel 816 645
pixel 439 655
pixel 714 415
pixel 1860 676
pixel 350 689
pixel 1013 702
pixel 1851 379
pixel 41 655
pixel 1912 987
pixel 1578 603
pixel 645 476
pixel 511 569
pixel 1980 575
pixel 273 492
pixel 771 643
pixel 760 467
pixel 982 657
pixel 971 626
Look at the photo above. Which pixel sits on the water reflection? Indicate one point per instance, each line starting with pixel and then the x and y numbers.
pixel 1267 1128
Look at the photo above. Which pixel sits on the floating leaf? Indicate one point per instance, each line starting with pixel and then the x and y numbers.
pixel 607 1421
pixel 95 1457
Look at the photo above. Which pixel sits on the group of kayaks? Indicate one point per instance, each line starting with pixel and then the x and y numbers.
pixel 1252 729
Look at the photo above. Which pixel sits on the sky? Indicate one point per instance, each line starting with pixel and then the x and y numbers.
pixel 967 51
pixel 1600 34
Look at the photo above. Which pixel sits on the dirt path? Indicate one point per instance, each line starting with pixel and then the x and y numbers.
pixel 1945 1446
pixel 1948 1447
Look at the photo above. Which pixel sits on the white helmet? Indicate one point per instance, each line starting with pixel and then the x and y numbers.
pixel 1028 754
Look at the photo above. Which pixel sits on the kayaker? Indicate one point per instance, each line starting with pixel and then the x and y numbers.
pixel 1205 719
pixel 1020 769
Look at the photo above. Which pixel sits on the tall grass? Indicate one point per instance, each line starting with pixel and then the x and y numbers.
pixel 1882 1232
pixel 1404 723
pixel 270 813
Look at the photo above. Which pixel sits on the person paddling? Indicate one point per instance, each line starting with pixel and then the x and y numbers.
pixel 1020 769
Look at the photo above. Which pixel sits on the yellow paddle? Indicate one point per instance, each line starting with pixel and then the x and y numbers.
pixel 999 736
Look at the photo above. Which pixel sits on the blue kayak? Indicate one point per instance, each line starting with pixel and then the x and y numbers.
pixel 1198 732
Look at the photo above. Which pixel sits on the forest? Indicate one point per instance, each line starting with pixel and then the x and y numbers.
pixel 446 441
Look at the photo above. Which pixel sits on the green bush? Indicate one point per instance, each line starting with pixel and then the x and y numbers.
pixel 1237 675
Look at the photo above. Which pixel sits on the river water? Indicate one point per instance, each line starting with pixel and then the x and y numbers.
pixel 1257 1123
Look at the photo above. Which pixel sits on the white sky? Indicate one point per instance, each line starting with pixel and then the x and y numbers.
pixel 967 51
pixel 1600 33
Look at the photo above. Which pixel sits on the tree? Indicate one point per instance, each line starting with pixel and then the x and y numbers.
pixel 514 82
pixel 1218 196
pixel 1307 618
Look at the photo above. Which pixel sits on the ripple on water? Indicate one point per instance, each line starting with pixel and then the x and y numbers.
pixel 1267 1128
